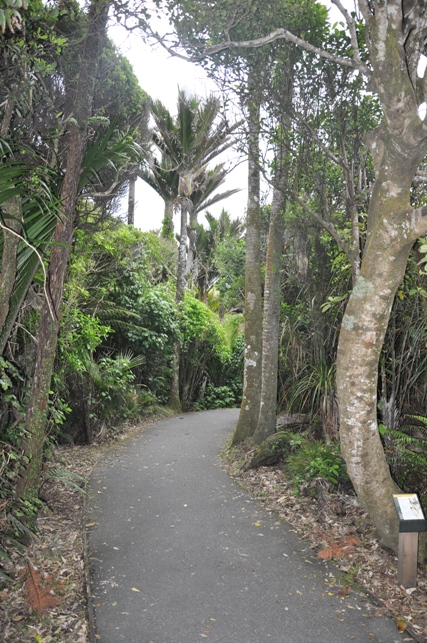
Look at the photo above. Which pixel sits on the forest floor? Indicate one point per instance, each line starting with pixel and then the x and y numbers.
pixel 47 600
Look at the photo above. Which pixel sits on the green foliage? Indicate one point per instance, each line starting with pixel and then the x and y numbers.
pixel 230 265
pixel 218 397
pixel 81 336
pixel 211 357
pixel 10 16
pixel 117 92
pixel 406 452
pixel 316 460
pixel 198 323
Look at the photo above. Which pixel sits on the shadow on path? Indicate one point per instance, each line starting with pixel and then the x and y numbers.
pixel 180 553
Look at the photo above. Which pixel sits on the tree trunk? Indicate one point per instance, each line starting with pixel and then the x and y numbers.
pixel 174 398
pixel 12 213
pixel 167 223
pixel 35 423
pixel 392 233
pixel 398 146
pixel 182 251
pixel 191 257
pixel 131 201
pixel 271 320
pixel 252 374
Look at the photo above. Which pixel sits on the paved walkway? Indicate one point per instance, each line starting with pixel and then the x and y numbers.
pixel 180 553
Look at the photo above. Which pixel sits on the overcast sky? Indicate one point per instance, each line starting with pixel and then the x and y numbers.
pixel 160 75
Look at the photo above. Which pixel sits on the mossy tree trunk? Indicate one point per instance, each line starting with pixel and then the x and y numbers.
pixel 398 146
pixel 12 216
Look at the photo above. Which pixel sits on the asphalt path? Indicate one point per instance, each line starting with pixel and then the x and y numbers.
pixel 180 553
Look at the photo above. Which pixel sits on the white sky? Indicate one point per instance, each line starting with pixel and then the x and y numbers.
pixel 160 75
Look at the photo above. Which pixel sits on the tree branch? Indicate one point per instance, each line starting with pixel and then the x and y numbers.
pixel 327 225
pixel 352 29
pixel 256 43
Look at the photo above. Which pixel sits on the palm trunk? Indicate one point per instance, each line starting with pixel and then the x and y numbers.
pixel 131 201
pixel 35 422
pixel 252 374
pixel 167 223
pixel 182 252
pixel 191 257
pixel 175 398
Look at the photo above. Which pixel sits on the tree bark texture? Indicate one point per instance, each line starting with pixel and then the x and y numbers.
pixel 131 201
pixel 398 146
pixel 192 235
pixel 35 423
pixel 12 215
pixel 175 398
pixel 252 374
pixel 271 319
pixel 167 223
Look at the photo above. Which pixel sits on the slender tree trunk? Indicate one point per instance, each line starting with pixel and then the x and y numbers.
pixel 12 215
pixel 167 223
pixel 13 218
pixel 131 201
pixel 271 320
pixel 182 251
pixel 191 257
pixel 175 399
pixel 252 374
pixel 35 423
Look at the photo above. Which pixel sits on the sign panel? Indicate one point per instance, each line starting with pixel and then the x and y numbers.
pixel 409 511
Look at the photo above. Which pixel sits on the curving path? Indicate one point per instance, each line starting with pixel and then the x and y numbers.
pixel 180 553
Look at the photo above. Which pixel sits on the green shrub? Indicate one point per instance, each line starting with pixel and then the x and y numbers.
pixel 218 397
pixel 316 460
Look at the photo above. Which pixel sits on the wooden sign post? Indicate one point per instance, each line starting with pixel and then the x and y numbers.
pixel 411 522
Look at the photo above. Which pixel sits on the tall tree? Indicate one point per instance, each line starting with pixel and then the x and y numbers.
pixel 250 73
pixel 187 145
pixel 79 110
pixel 395 34
pixel 252 365
pixel 266 424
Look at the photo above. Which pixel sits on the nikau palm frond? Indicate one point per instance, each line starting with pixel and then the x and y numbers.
pixel 187 145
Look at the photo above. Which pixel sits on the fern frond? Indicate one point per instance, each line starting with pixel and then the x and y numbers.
pixel 19 527
pixel 66 476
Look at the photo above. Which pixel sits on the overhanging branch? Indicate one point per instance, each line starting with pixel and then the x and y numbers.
pixel 274 36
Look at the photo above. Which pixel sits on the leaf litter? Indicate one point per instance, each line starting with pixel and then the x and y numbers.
pixel 337 529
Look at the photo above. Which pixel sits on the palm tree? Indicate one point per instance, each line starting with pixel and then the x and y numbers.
pixel 178 146
pixel 187 145
pixel 206 273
